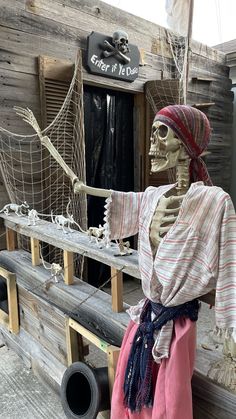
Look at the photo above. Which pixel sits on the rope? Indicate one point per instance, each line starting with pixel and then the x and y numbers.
pixel 31 174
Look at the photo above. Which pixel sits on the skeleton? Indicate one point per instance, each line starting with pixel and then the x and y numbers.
pixel 120 40
pixel 97 233
pixel 124 248
pixel 55 268
pixel 167 152
pixel 17 209
pixel 33 216
pixel 61 221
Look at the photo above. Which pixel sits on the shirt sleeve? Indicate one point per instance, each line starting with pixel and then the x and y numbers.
pixel 122 211
pixel 223 266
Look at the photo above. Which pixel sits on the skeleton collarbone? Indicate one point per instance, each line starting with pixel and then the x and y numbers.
pixel 164 217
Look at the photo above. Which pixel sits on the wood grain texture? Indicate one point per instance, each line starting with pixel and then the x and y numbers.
pixel 35 249
pixel 77 242
pixel 82 302
pixel 117 290
pixel 10 239
pixel 35 356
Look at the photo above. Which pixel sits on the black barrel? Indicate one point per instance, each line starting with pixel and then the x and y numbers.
pixel 84 391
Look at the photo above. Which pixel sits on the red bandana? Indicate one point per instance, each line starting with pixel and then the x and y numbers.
pixel 193 128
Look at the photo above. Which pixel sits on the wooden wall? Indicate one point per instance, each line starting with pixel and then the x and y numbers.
pixel 30 28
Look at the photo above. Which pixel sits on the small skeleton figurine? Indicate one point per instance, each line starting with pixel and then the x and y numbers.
pixel 56 271
pixel 124 248
pixel 55 268
pixel 120 40
pixel 17 209
pixel 33 216
pixel 97 233
pixel 61 221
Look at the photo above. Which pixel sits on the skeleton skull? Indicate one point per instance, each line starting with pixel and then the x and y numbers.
pixel 120 40
pixel 165 148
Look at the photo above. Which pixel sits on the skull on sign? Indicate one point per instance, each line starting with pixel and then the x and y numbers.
pixel 120 40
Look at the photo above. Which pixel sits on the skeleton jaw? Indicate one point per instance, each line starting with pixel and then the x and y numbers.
pixel 163 161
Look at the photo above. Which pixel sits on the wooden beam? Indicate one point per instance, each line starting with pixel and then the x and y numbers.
pixel 35 251
pixel 112 359
pixel 116 290
pixel 74 344
pixel 202 79
pixel 10 320
pixel 10 239
pixel 91 337
pixel 203 105
pixel 77 243
pixel 68 267
pixel 13 304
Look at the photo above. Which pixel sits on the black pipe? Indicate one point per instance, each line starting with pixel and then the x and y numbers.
pixel 84 391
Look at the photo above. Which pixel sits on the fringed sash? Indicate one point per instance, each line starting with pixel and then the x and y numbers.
pixel 138 387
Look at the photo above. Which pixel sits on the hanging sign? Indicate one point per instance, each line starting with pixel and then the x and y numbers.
pixel 113 56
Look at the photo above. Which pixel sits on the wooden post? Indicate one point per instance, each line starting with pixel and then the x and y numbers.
pixel 10 239
pixel 112 359
pixel 74 344
pixel 68 267
pixel 11 320
pixel 13 304
pixel 35 251
pixel 117 290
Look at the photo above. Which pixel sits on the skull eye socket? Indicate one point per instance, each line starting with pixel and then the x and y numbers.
pixel 163 131
pixel 154 129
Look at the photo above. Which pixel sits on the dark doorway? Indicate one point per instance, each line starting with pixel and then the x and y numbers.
pixel 109 143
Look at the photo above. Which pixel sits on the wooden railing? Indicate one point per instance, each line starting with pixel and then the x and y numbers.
pixel 80 243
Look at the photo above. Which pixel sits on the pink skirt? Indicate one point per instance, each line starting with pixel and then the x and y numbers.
pixel 172 378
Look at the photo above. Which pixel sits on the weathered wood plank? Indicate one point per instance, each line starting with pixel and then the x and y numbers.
pixel 117 290
pixel 105 13
pixel 43 363
pixel 35 250
pixel 10 239
pixel 27 62
pixel 96 315
pixel 68 267
pixel 207 65
pixel 80 243
pixel 74 350
pixel 76 243
pixel 43 322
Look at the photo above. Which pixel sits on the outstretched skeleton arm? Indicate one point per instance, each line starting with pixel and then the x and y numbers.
pixel 78 185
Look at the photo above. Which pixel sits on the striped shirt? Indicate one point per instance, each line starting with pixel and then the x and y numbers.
pixel 197 254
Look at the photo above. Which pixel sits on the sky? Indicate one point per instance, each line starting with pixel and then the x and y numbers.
pixel 214 21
